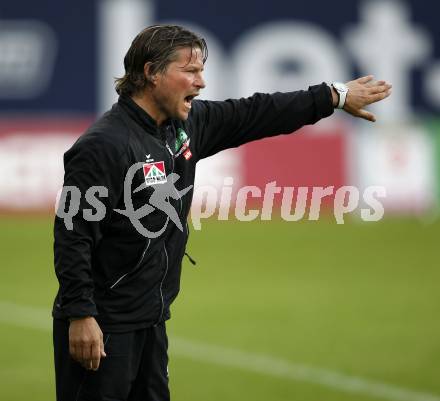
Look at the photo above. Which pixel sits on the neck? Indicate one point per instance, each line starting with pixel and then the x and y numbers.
pixel 145 102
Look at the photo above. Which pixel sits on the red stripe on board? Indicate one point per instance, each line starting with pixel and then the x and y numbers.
pixel 304 159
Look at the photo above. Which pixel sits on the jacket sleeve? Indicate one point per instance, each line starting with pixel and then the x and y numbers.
pixel 231 123
pixel 90 162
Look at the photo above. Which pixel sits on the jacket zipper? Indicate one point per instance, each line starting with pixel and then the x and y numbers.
pixel 162 307
pixel 164 247
pixel 134 269
pixel 160 287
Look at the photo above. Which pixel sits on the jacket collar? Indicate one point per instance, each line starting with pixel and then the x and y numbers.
pixel 141 117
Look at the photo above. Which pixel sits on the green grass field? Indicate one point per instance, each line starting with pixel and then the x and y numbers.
pixel 281 311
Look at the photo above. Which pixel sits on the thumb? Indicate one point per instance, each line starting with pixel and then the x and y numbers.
pixel 103 354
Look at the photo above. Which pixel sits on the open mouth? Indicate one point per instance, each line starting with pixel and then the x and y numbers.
pixel 189 99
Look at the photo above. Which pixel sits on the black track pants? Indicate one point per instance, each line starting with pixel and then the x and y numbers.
pixel 135 369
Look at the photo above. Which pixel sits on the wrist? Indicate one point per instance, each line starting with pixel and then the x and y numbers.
pixel 341 91
pixel 72 319
pixel 335 96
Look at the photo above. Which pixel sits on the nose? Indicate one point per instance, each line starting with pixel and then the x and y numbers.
pixel 199 82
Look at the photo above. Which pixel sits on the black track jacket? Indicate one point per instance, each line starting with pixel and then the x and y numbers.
pixel 106 268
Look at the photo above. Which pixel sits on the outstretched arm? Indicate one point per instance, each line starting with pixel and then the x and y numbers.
pixel 221 125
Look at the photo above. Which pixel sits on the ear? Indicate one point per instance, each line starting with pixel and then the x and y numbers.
pixel 147 72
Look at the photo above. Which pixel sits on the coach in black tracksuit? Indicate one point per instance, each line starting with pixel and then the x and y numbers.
pixel 116 283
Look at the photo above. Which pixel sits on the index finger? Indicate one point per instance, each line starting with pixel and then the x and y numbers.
pixel 364 80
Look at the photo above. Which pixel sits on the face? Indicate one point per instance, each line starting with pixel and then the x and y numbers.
pixel 174 89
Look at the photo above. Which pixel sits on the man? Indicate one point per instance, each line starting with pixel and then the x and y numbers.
pixel 116 282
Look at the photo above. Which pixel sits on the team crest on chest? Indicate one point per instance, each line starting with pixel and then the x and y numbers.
pixel 155 173
pixel 182 144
